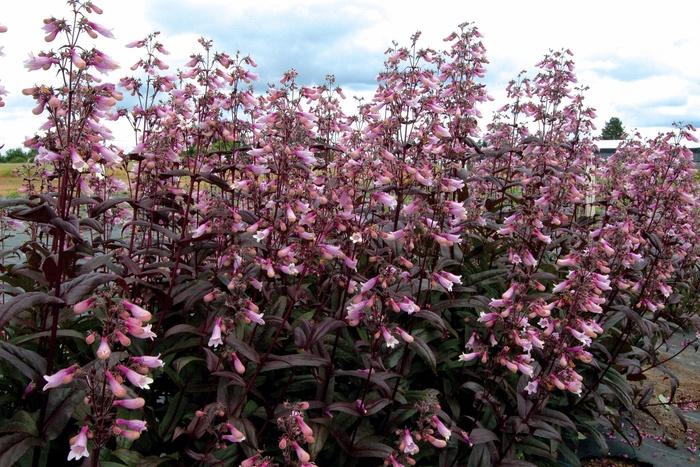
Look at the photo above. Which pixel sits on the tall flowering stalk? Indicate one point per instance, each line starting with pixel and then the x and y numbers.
pixel 263 279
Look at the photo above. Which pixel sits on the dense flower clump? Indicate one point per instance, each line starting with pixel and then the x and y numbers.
pixel 265 280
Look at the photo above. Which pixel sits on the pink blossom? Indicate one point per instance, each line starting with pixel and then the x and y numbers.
pixel 101 29
pixel 251 314
pixel 468 357
pixel 405 336
pixel 136 311
pixel 389 339
pixel 531 387
pixel 42 61
pixel 442 429
pixel 103 351
pixel 83 306
pixel 148 361
pixel 215 340
pixel 305 429
pixel 137 379
pixel 235 436
pixel 78 445
pixel 102 62
pixel 61 377
pixel 130 424
pixel 237 363
pixel 407 445
pixel 77 162
pixel 117 389
pixel 131 404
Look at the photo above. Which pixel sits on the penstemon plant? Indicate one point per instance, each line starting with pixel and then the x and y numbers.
pixel 266 280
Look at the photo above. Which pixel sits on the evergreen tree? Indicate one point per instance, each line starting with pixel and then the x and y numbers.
pixel 613 129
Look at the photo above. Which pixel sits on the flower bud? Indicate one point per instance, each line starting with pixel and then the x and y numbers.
pixel 103 351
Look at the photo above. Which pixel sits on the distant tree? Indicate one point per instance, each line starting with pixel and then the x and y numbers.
pixel 17 155
pixel 613 129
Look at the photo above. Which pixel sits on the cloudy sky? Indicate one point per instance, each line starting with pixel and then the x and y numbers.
pixel 640 59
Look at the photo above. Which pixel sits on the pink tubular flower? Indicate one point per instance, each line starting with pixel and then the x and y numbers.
pixel 237 363
pixel 251 315
pixel 131 404
pixel 117 389
pixel 103 351
pixel 404 335
pixel 386 199
pixel 101 29
pixel 82 307
pixel 135 425
pixel 531 387
pixel 140 332
pixel 489 319
pixel 542 237
pixel 331 251
pixel 302 455
pixel 215 339
pixel 137 44
pixel 136 311
pixel 393 462
pixel 131 435
pixel 235 436
pixel 61 377
pixel 468 357
pixel 389 339
pixel 446 279
pixel 77 162
pixel 438 443
pixel 41 62
pixel 78 445
pixel 137 379
pixel 407 445
pixel 560 287
pixel 441 428
pixel 251 461
pixel 305 429
pixel 148 361
pixel 122 338
pixel 601 281
pixel 102 62
pixel 441 131
pixel 77 59
pixel 407 305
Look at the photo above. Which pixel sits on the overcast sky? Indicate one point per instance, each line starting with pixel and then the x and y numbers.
pixel 640 59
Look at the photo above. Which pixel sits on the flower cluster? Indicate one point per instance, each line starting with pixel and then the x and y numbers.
pixel 433 287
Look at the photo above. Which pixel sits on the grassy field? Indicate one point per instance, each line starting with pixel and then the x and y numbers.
pixel 8 182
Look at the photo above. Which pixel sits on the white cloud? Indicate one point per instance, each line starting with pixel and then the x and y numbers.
pixel 638 58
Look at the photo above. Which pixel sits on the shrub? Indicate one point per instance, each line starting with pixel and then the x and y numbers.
pixel 278 283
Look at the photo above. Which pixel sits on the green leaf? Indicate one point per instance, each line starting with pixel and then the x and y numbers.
pixel 182 362
pixel 37 335
pixel 129 456
pixel 371 449
pixel 76 289
pixel 244 349
pixel 60 407
pixel 25 302
pixel 482 435
pixel 176 408
pixel 27 362
pixel 21 422
pixel 424 351
pixel 278 362
pixel 182 329
pixel 14 446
